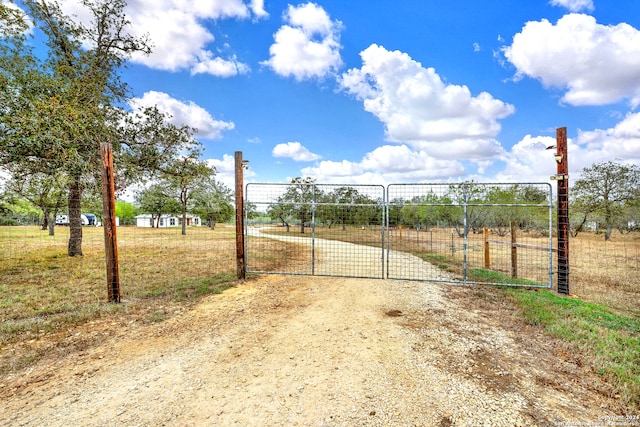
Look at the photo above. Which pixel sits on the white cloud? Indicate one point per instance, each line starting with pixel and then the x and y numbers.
pixel 219 67
pixel 418 108
pixel 295 151
pixel 307 46
pixel 182 113
pixel 529 159
pixel 257 7
pixel 620 142
pixel 596 64
pixel 386 164
pixel 225 170
pixel 574 5
pixel 177 32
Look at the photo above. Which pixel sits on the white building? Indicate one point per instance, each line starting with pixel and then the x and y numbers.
pixel 165 221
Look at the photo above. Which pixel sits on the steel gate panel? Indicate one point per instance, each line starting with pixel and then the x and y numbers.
pixel 315 220
pixel 499 233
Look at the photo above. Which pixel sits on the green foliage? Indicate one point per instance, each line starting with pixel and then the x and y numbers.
pixel 347 206
pixel 609 193
pixel 126 210
pixel 184 176
pixel 212 201
pixel 295 202
pixel 56 111
pixel 45 191
pixel 157 200
pixel 492 206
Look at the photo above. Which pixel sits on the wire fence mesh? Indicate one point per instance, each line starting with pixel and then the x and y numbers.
pixel 474 233
pixel 498 233
pixel 41 279
pixel 361 223
pixel 331 230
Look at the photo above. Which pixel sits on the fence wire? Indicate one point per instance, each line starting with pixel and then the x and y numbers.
pixel 471 232
pixel 330 230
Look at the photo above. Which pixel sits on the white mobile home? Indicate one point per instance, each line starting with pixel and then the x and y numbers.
pixel 63 219
pixel 165 221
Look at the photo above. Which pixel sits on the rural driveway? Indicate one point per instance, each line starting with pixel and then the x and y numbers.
pixel 319 351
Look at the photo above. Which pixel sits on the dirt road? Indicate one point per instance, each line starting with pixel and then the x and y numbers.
pixel 290 350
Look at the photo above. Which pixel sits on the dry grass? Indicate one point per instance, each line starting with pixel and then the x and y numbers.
pixel 269 255
pixel 607 272
pixel 49 302
pixel 46 295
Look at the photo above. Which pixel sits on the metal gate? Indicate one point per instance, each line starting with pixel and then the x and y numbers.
pixel 327 230
pixel 469 232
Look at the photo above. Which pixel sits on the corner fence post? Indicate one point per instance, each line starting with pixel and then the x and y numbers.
pixel 563 210
pixel 240 259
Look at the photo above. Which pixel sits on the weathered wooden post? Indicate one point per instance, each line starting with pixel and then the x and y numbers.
pixel 109 223
pixel 562 179
pixel 239 175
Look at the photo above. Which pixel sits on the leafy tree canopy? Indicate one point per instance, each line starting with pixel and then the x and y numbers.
pixel 610 192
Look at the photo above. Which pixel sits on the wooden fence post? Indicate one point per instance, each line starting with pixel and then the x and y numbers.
pixel 240 261
pixel 109 223
pixel 487 254
pixel 563 210
pixel 514 251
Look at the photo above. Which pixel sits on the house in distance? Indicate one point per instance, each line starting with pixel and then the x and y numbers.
pixel 166 221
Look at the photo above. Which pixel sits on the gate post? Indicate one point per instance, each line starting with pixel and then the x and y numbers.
pixel 563 210
pixel 109 222
pixel 239 175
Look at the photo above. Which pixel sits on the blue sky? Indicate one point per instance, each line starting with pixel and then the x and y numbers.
pixel 378 91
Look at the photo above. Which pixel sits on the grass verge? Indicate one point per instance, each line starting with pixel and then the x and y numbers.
pixel 611 342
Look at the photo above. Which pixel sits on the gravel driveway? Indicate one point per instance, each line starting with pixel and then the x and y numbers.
pixel 319 351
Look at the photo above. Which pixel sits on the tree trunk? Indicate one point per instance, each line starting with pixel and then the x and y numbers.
pixel 50 222
pixel 45 222
pixel 607 234
pixel 184 222
pixel 75 218
pixel 52 226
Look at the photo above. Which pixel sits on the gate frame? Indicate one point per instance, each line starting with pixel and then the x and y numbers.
pixel 465 205
pixel 385 236
pixel 381 205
